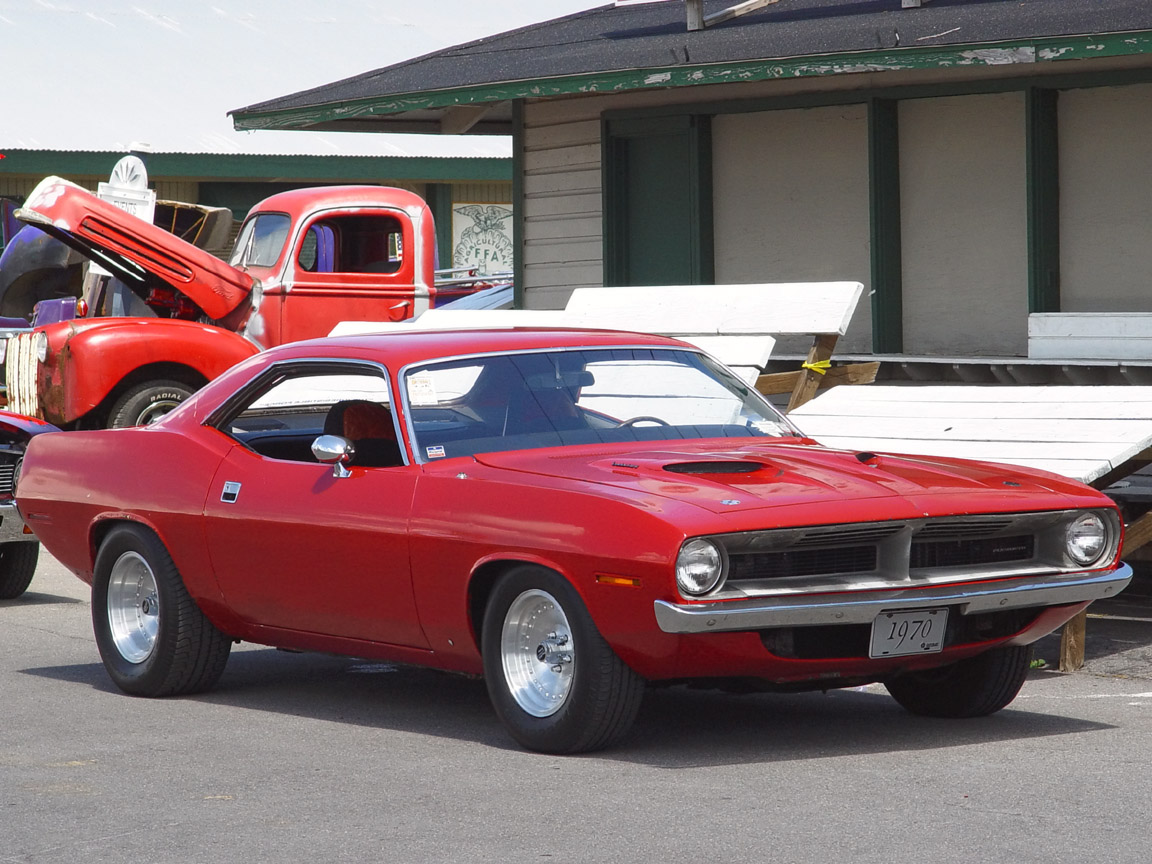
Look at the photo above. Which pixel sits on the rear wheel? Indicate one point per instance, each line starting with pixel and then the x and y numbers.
pixel 146 403
pixel 152 637
pixel 17 564
pixel 970 688
pixel 553 679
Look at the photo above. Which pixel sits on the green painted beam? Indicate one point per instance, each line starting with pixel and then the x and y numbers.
pixel 1021 53
pixel 207 166
pixel 1043 185
pixel 884 227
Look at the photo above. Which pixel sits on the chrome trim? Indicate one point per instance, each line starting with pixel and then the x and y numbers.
pixel 12 525
pixel 862 607
pixel 785 423
pixel 893 569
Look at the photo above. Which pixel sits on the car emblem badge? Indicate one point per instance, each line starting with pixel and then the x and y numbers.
pixel 731 502
pixel 231 492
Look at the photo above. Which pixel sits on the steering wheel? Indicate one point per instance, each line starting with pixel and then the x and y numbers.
pixel 632 421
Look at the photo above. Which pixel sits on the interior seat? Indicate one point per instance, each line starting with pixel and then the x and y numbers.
pixel 370 428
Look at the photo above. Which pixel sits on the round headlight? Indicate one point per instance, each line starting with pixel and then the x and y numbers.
pixel 699 567
pixel 1086 538
pixel 40 342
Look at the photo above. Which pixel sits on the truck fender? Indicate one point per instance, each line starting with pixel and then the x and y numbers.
pixel 97 356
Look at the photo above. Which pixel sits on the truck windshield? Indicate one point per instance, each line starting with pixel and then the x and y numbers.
pixel 261 241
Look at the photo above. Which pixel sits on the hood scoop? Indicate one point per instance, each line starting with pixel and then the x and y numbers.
pixel 715 466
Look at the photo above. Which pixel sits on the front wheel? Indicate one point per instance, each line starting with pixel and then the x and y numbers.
pixel 152 637
pixel 146 403
pixel 974 687
pixel 554 681
pixel 17 564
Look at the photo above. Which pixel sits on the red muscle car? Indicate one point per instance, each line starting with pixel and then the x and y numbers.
pixel 572 515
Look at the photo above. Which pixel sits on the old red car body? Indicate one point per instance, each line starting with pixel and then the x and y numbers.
pixel 404 559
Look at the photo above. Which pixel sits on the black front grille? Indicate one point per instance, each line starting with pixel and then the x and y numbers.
pixel 7 476
pixel 967 553
pixel 801 562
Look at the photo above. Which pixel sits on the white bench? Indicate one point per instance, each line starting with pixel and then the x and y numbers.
pixel 1090 335
pixel 1093 434
pixel 737 324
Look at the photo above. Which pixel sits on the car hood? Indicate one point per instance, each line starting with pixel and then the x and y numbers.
pixel 727 478
pixel 125 245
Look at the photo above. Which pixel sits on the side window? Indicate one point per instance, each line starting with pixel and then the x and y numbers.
pixel 295 407
pixel 361 243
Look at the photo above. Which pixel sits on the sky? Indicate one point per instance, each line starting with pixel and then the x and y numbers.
pixel 103 74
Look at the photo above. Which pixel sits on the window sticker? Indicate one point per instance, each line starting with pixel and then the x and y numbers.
pixel 435 452
pixel 422 390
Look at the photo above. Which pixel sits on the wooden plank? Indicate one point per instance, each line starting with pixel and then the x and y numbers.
pixel 785 382
pixel 1137 533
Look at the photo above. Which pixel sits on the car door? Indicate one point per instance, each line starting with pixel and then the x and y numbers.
pixel 295 546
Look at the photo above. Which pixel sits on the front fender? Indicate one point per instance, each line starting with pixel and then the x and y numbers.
pixel 88 358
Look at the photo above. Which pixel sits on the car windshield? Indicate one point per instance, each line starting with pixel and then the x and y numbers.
pixel 553 398
pixel 260 241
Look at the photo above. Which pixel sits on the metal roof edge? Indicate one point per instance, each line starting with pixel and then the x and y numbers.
pixel 208 166
pixel 1021 51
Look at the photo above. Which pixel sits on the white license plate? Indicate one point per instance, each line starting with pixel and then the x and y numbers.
pixel 917 632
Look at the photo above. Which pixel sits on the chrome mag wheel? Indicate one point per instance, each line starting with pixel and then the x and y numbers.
pixel 537 653
pixel 133 607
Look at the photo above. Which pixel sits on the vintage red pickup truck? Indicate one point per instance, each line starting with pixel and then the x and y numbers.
pixel 172 316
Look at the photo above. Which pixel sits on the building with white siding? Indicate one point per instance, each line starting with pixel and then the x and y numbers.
pixel 970 163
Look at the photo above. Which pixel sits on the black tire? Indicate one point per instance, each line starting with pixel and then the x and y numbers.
pixel 602 696
pixel 146 403
pixel 974 687
pixel 185 653
pixel 17 564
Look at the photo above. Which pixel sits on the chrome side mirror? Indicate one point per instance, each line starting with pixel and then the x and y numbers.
pixel 335 451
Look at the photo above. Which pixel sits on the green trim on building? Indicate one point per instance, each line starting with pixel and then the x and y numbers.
pixel 1043 185
pixel 1020 53
pixel 884 226
pixel 518 204
pixel 209 166
pixel 439 198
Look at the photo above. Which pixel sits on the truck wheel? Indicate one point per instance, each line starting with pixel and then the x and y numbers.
pixel 553 680
pixel 146 403
pixel 974 687
pixel 17 564
pixel 152 637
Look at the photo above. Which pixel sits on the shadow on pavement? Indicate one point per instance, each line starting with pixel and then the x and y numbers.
pixel 34 598
pixel 677 727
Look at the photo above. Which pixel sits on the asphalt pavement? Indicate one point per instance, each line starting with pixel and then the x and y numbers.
pixel 324 759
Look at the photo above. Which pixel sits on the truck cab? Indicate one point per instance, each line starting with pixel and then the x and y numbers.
pixel 171 317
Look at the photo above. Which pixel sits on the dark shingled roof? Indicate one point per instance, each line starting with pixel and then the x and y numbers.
pixel 611 39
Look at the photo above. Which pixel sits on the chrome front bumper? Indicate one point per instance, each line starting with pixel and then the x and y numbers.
pixel 12 525
pixel 863 607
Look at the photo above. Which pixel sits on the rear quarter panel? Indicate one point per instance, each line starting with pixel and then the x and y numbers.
pixel 74 486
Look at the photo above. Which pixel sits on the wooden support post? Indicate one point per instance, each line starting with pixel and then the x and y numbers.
pixel 1072 643
pixel 809 382
pixel 785 382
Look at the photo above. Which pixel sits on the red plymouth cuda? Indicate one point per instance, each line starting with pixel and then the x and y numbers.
pixel 573 515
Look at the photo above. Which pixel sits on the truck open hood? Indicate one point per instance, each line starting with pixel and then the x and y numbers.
pixel 130 247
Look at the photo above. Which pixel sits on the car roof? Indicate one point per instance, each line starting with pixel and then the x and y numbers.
pixel 404 347
pixel 299 202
